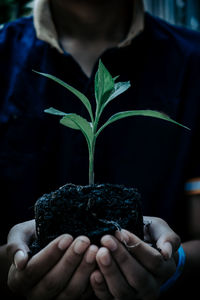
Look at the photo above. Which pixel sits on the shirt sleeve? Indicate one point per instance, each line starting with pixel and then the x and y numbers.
pixel 192 186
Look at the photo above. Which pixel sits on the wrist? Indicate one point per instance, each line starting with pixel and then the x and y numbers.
pixel 176 257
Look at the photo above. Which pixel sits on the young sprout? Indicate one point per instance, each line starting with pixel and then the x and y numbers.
pixel 106 89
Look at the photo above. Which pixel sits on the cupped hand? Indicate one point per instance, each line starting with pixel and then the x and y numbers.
pixel 18 240
pixel 59 271
pixel 159 233
pixel 130 268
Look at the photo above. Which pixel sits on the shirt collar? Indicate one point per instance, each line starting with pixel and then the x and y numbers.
pixel 46 31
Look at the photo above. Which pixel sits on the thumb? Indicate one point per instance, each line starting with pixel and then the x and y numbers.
pixel 165 248
pixel 168 244
pixel 165 238
pixel 18 241
pixel 20 259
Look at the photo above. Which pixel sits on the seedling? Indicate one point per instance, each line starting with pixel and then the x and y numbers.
pixel 106 90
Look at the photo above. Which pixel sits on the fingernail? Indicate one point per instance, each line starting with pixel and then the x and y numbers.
pixel 19 259
pixel 122 236
pixel 104 256
pixel 125 237
pixel 91 254
pixel 65 242
pixel 80 246
pixel 98 278
pixel 109 243
pixel 167 251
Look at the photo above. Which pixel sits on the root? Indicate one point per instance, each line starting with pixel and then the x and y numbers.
pixel 123 241
pixel 118 227
pixel 129 247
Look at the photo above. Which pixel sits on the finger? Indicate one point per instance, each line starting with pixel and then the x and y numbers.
pixel 168 244
pixel 17 244
pixel 117 284
pixel 138 277
pixel 166 248
pixel 20 259
pixel 148 256
pixel 166 239
pixel 80 279
pixel 38 265
pixel 99 286
pixel 152 259
pixel 56 279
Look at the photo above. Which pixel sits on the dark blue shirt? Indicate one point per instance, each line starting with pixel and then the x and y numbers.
pixel 37 154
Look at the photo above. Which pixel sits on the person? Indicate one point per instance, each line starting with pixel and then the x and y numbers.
pixel 66 39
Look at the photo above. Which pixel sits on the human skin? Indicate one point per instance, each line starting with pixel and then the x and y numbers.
pixel 25 275
pixel 86 56
pixel 91 27
pixel 66 266
pixel 139 272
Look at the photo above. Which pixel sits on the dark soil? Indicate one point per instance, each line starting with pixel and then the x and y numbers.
pixel 87 210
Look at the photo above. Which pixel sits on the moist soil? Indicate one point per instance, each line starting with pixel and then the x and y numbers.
pixel 93 210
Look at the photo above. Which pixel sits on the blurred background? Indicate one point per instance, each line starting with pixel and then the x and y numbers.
pixel 13 9
pixel 180 12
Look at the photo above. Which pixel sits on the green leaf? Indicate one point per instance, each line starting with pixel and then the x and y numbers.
pixel 119 88
pixel 68 122
pixel 146 113
pixel 81 96
pixel 54 111
pixel 75 121
pixel 104 84
pixel 116 77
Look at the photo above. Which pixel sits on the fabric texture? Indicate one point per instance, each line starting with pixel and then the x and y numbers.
pixel 38 155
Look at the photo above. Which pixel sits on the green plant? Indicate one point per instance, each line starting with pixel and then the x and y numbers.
pixel 106 89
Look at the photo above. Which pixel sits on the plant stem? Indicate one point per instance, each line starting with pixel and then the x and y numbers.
pixel 92 149
pixel 91 163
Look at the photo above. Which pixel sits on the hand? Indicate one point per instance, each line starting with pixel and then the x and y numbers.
pixel 59 271
pixel 158 233
pixel 131 268
pixel 18 240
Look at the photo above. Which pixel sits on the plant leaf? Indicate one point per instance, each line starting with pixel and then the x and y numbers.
pixel 54 111
pixel 104 84
pixel 119 88
pixel 81 96
pixel 75 121
pixel 147 113
pixel 116 77
pixel 68 122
